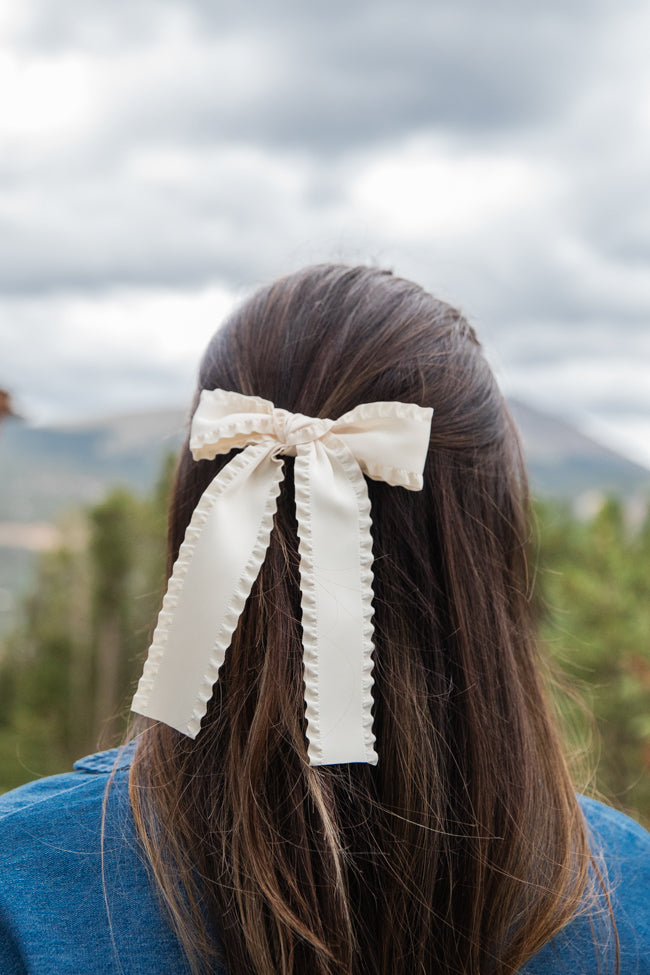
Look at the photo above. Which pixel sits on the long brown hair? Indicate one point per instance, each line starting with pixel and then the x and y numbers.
pixel 464 849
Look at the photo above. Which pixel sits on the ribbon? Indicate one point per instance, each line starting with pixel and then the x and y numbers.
pixel 226 542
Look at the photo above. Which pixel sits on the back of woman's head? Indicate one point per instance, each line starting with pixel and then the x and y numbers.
pixel 462 851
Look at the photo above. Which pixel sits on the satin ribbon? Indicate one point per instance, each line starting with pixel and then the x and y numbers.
pixel 226 542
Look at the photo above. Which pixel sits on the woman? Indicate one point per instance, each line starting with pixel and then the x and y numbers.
pixel 448 838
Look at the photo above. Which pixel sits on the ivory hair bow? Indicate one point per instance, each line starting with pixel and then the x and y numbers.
pixel 226 542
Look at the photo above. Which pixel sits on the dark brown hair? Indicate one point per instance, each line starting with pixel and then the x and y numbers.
pixel 464 849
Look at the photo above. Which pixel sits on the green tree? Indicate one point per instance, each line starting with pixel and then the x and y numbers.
pixel 69 668
pixel 68 675
pixel 595 580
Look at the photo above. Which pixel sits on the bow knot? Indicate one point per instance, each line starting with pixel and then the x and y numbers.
pixel 226 542
pixel 292 429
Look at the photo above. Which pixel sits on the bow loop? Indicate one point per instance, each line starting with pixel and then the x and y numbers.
pixel 226 543
pixel 225 420
pixel 389 440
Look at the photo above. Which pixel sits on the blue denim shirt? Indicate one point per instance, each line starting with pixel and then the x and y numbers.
pixel 67 908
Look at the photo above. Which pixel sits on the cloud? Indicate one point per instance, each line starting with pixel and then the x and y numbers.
pixel 321 79
pixel 160 216
pixel 158 152
pixel 427 190
pixel 106 353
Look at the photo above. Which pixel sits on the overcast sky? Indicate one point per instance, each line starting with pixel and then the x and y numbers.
pixel 158 160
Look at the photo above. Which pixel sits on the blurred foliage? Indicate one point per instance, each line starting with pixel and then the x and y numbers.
pixel 594 582
pixel 68 672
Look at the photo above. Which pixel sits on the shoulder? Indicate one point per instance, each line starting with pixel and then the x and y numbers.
pixel 64 813
pixel 613 830
pixel 621 849
pixel 71 870
pixel 45 797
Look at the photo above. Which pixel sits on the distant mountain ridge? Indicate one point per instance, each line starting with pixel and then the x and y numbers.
pixel 564 463
pixel 44 470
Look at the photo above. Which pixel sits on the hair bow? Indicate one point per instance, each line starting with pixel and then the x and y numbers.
pixel 226 542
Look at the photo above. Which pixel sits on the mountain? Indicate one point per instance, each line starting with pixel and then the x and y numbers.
pixel 44 470
pixel 564 463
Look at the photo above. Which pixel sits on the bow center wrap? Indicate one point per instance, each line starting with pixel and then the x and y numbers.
pixel 292 429
pixel 226 542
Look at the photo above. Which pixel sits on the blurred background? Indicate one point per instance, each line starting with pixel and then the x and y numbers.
pixel 158 160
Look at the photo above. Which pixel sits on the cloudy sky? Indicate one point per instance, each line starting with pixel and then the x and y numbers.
pixel 160 159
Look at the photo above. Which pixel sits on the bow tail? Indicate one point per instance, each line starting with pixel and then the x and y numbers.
pixel 333 512
pixel 218 563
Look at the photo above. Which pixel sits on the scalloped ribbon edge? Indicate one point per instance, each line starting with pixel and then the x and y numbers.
pixel 354 473
pixel 309 604
pixel 146 686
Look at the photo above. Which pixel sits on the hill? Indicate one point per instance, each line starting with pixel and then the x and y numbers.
pixel 46 470
pixel 564 463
